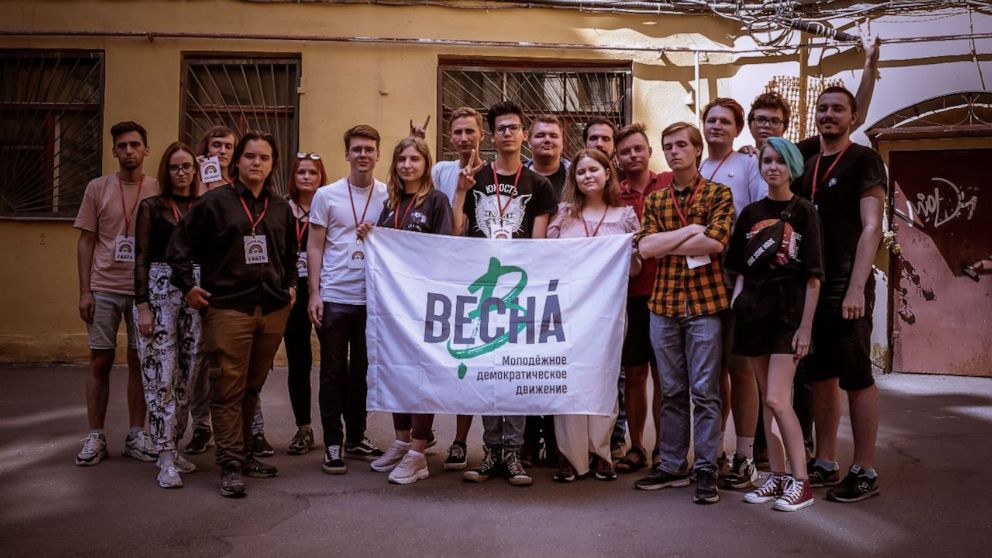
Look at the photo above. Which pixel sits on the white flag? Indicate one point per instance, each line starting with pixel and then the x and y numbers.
pixel 475 326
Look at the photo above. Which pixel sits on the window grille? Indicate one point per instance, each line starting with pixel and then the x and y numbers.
pixel 574 94
pixel 51 122
pixel 244 93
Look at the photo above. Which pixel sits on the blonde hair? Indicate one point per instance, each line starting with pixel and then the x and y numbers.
pixel 395 186
pixel 575 198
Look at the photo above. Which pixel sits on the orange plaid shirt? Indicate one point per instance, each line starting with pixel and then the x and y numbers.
pixel 680 291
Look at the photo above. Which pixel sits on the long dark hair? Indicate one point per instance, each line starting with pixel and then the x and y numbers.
pixel 239 150
pixel 165 179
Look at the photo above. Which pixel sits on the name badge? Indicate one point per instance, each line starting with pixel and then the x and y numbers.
pixel 256 250
pixel 124 248
pixel 301 265
pixel 697 261
pixel 356 256
pixel 210 170
pixel 501 232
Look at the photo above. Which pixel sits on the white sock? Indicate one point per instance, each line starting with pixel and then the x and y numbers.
pixel 745 447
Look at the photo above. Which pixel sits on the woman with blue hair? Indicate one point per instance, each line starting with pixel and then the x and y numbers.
pixel 776 251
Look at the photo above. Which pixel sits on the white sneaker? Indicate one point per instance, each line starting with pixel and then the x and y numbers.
pixel 168 476
pixel 140 447
pixel 389 460
pixel 411 469
pixel 94 450
pixel 184 465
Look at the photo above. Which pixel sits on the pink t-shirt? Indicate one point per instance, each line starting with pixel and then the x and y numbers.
pixel 102 213
pixel 619 220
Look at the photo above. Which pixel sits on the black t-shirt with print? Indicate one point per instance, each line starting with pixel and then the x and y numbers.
pixel 534 196
pixel 838 201
pixel 431 216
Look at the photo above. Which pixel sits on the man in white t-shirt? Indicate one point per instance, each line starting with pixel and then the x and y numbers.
pixel 723 120
pixel 336 259
pixel 465 134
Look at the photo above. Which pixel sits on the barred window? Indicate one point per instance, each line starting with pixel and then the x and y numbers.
pixel 51 127
pixel 258 92
pixel 573 92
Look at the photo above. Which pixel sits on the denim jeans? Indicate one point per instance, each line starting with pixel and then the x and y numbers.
pixel 689 353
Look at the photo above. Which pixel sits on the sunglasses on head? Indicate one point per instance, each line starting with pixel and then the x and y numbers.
pixel 311 156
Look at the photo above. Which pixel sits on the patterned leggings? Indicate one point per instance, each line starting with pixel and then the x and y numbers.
pixel 169 358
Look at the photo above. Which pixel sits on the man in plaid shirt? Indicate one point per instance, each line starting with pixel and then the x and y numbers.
pixel 686 226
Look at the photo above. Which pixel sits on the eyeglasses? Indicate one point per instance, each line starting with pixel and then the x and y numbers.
pixel 770 122
pixel 512 128
pixel 185 168
pixel 311 156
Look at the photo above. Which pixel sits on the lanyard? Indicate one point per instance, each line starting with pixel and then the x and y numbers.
pixel 722 161
pixel 600 224
pixel 396 215
pixel 368 202
pixel 128 215
pixel 300 225
pixel 816 170
pixel 516 180
pixel 255 222
pixel 175 210
pixel 688 204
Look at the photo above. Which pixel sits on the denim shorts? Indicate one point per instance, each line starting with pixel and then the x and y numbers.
pixel 108 310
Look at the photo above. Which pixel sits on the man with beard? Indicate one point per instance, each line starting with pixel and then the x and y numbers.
pixel 105 258
pixel 846 183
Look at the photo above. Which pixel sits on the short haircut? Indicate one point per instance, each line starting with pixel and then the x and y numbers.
pixel 843 91
pixel 730 104
pixel 361 131
pixel 598 121
pixel 771 101
pixel 695 137
pixel 503 108
pixel 215 132
pixel 630 130
pixel 239 150
pixel 546 119
pixel 126 126
pixel 466 112
pixel 292 190
pixel 165 177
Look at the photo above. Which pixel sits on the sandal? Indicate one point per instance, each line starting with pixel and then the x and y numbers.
pixel 635 460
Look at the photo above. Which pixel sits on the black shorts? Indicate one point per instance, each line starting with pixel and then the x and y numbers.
pixel 766 320
pixel 637 349
pixel 841 349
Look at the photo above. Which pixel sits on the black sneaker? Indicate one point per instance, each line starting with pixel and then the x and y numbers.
pixel 302 442
pixel 364 449
pixel 742 474
pixel 659 478
pixel 706 491
pixel 231 484
pixel 565 472
pixel 491 465
pixel 260 446
pixel 856 486
pixel 820 476
pixel 603 469
pixel 515 472
pixel 333 464
pixel 457 457
pixel 258 470
pixel 199 442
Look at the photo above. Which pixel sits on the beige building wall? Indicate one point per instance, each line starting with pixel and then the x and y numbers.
pixel 344 83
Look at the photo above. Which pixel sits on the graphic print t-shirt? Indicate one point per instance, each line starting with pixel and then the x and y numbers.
pixel 516 208
pixel 800 253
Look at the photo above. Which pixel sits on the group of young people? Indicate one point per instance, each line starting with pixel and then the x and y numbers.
pixel 746 264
